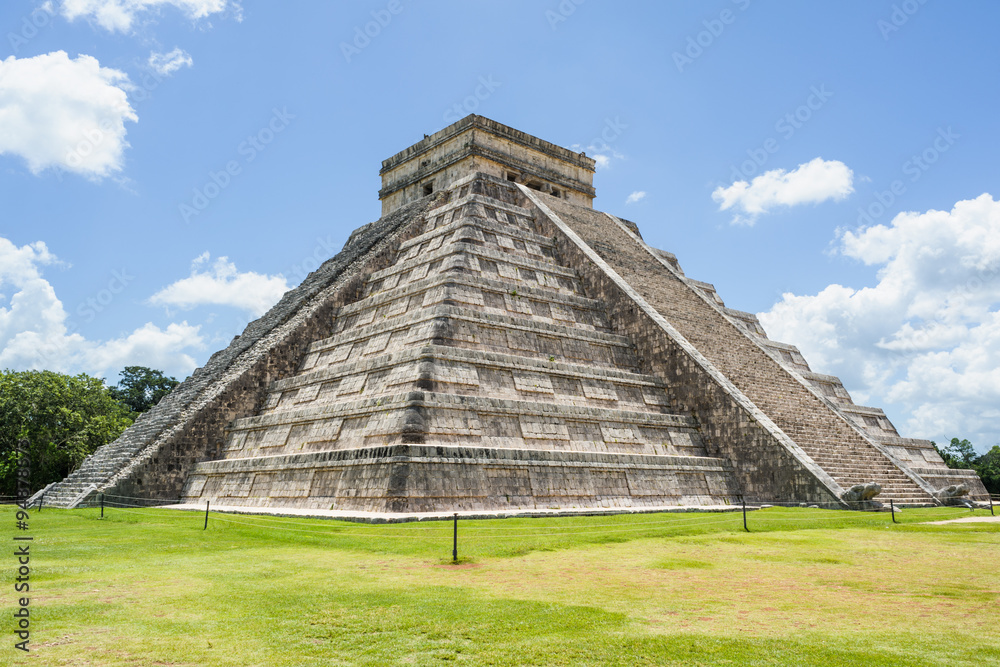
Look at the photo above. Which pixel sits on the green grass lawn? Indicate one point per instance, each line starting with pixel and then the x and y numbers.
pixel 805 587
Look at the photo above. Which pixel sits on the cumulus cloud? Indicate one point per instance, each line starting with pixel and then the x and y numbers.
pixel 63 113
pixel 121 15
pixel 926 337
pixel 220 283
pixel 810 183
pixel 37 333
pixel 636 196
pixel 168 63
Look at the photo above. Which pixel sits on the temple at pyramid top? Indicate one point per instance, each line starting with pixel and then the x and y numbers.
pixel 478 144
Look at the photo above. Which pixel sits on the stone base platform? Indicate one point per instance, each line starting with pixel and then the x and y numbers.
pixel 467 515
pixel 401 479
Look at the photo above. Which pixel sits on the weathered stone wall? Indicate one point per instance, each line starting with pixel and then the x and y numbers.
pixel 153 457
pixel 423 478
pixel 766 467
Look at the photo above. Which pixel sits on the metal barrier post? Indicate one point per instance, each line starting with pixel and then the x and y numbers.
pixel 991 506
pixel 207 503
pixel 102 505
pixel 892 507
pixel 41 501
pixel 745 515
pixel 454 543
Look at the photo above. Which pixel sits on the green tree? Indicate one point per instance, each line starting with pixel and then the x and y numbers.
pixel 988 467
pixel 63 418
pixel 963 452
pixel 957 453
pixel 141 388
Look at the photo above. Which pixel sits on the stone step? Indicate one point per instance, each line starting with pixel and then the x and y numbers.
pixel 493 294
pixel 447 369
pixel 479 260
pixel 413 247
pixel 472 328
pixel 480 209
pixel 462 403
pixel 460 420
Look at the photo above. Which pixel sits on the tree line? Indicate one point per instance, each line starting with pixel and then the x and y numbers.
pixel 64 418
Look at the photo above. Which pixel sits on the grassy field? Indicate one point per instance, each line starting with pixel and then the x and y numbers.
pixel 805 587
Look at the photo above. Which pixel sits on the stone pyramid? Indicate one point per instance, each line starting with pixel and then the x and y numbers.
pixel 492 343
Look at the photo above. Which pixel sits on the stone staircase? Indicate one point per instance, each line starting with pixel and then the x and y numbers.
pixel 832 441
pixel 94 473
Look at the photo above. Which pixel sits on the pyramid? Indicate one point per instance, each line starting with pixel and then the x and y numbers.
pixel 492 342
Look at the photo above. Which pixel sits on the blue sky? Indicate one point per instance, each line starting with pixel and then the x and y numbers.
pixel 123 239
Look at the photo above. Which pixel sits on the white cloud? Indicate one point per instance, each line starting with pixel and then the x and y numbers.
pixel 222 284
pixel 810 183
pixel 120 15
pixel 69 114
pixel 36 332
pixel 926 337
pixel 168 63
pixel 636 196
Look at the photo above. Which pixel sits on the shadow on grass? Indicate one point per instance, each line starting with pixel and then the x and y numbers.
pixel 448 624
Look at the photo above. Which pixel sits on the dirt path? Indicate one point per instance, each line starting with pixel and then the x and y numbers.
pixel 968 519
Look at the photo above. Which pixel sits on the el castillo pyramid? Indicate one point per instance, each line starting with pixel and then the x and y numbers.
pixel 492 342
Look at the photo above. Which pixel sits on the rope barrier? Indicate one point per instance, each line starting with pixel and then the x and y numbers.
pixel 676 517
pixel 127 510
pixel 680 516
pixel 326 532
pixel 620 530
pixel 342 525
pixel 165 501
pixel 686 518
pixel 569 531
pixel 665 522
